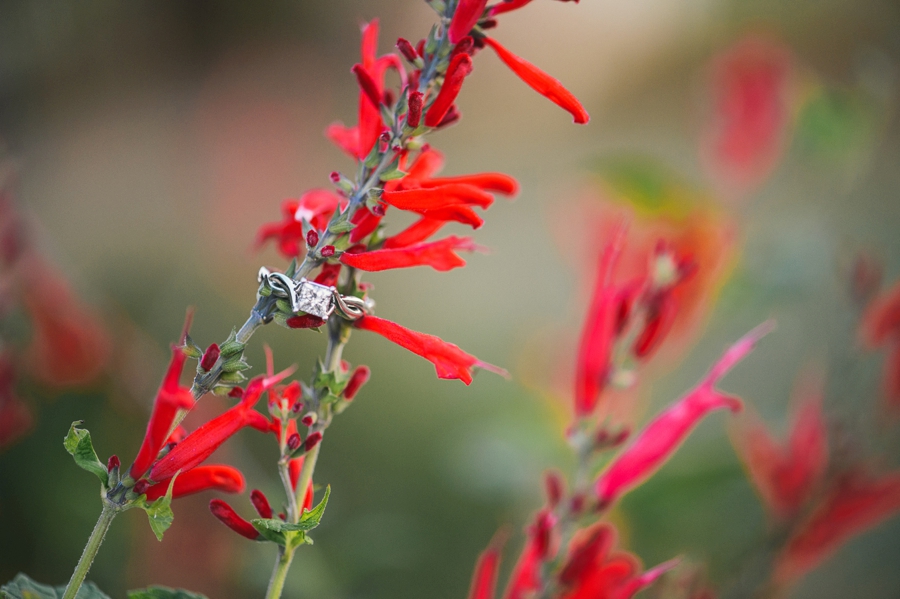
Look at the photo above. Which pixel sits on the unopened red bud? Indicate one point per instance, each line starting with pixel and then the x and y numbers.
pixel 312 440
pixel 227 516
pixel 488 24
pixel 304 321
pixel 293 441
pixel 282 516
pixel 312 238
pixel 260 503
pixel 576 506
pixel 407 50
pixel 141 486
pixel 542 533
pixel 414 116
pixel 357 380
pixel 377 209
pixel 388 97
pixel 209 357
pixel 112 463
pixel 309 419
pixel 384 141
pixel 367 84
pixel 463 46
pixel 236 393
pixel 328 251
pixel 335 177
pixel 553 483
pixel 298 405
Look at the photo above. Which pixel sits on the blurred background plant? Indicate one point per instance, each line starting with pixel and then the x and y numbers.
pixel 151 141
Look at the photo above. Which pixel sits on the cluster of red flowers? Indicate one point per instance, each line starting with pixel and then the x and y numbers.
pixel 67 345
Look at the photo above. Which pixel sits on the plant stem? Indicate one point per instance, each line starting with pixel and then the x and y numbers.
pixel 279 574
pixel 90 550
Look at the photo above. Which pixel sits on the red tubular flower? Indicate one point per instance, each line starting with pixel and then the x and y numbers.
pixel 294 468
pixel 201 478
pixel 68 346
pixel 525 577
pixel 440 255
pixel 260 503
pixel 434 198
pixel 200 444
pixel 328 276
pixel 367 84
pixel 315 206
pixel 359 378
pixel 449 361
pixel 459 213
pixel 595 348
pixel 785 475
pixel 420 230
pixel 858 503
pixel 484 578
pixel 541 82
pixel 659 440
pixel 345 138
pixel 464 19
pixel 170 398
pixel 459 68
pixel 497 182
pixel 227 516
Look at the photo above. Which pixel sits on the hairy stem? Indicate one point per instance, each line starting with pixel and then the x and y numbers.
pixel 279 574
pixel 90 550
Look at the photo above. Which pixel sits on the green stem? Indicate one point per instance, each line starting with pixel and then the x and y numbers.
pixel 279 574
pixel 306 474
pixel 90 551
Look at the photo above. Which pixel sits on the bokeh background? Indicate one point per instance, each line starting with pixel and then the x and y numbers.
pixel 151 139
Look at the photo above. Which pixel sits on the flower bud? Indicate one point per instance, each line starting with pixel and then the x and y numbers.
pixel 327 251
pixel 312 440
pixel 414 116
pixel 141 486
pixel 112 463
pixel 293 441
pixel 554 486
pixel 384 141
pixel 304 321
pixel 407 50
pixel 357 380
pixel 309 419
pixel 209 357
pixel 296 407
pixel 227 516
pixel 335 177
pixel 260 503
pixel 312 238
pixel 236 392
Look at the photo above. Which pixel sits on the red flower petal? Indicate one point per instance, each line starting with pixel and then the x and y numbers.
pixel 420 230
pixel 506 6
pixel 541 82
pixel 438 197
pixel 659 440
pixel 440 255
pixel 227 516
pixel 464 19
pixel 460 67
pixel 857 503
pixel 449 361
pixel 497 182
pixel 484 579
pixel 345 138
pixel 201 478
pixel 457 213
pixel 427 163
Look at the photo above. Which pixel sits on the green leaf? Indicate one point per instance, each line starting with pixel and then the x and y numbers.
pixel 78 444
pixel 159 513
pixel 158 592
pixel 315 515
pixel 341 227
pixel 333 380
pixel 23 587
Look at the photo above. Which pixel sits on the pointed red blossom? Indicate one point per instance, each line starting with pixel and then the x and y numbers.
pixel 459 68
pixel 541 82
pixel 227 516
pixel 659 440
pixel 209 357
pixel 414 105
pixel 170 398
pixel 201 478
pixel 365 222
pixel 786 475
pixel 260 503
pixel 345 138
pixel 525 577
pixel 367 84
pixel 465 18
pixel 427 163
pixel 419 231
pixel 407 50
pixel 359 378
pixel 496 182
pixel 438 197
pixel 315 206
pixel 440 255
pixel 458 213
pixel 859 502
pixel 506 6
pixel 484 578
pixel 449 361
pixel 597 336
